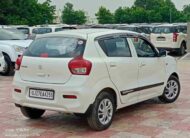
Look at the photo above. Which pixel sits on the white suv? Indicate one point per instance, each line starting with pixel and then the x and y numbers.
pixel 92 73
pixel 12 45
pixel 169 37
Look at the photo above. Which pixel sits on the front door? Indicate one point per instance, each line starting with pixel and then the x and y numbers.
pixel 151 70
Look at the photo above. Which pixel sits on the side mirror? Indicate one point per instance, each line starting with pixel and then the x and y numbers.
pixel 163 53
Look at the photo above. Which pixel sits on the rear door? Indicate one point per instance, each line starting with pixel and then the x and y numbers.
pixel 46 60
pixel 122 66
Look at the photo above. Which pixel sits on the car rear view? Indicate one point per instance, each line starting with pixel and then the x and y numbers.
pixel 168 37
pixel 50 75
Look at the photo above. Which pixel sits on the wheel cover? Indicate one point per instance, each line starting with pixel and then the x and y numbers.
pixel 105 111
pixel 171 89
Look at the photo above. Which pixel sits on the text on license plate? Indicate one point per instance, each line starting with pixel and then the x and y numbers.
pixel 42 94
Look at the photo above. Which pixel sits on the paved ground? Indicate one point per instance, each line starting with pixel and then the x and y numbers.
pixel 144 120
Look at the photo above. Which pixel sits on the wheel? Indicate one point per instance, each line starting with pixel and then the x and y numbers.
pixel 32 113
pixel 9 68
pixel 101 115
pixel 181 51
pixel 171 91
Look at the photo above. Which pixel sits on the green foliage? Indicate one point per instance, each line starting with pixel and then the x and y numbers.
pixel 70 16
pixel 26 12
pixel 148 11
pixel 186 12
pixel 104 16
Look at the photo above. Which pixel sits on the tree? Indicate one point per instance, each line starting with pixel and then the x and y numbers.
pixel 26 12
pixel 149 4
pixel 70 16
pixel 186 12
pixel 122 15
pixel 145 11
pixel 104 16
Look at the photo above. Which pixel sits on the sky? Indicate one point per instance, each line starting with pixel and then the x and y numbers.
pixel 92 6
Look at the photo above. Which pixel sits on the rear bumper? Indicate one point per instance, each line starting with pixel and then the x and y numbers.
pixel 79 105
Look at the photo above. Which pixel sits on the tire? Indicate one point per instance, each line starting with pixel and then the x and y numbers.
pixel 170 96
pixel 32 113
pixel 181 51
pixel 94 117
pixel 9 67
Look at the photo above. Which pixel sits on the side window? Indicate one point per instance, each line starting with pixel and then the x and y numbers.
pixel 115 47
pixel 143 48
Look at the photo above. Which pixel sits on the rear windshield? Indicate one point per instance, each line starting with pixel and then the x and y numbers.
pixel 57 47
pixel 24 30
pixel 183 29
pixel 127 28
pixel 64 28
pixel 11 34
pixel 41 30
pixel 164 30
pixel 58 29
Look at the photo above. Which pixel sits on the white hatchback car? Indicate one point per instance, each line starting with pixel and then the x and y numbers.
pixel 92 73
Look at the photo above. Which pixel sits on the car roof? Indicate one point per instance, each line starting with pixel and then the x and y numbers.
pixel 83 33
pixel 167 25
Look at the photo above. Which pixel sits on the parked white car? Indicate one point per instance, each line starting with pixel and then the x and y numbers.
pixel 12 45
pixel 169 37
pixel 92 73
pixel 2 62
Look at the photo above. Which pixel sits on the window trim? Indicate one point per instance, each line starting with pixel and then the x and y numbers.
pixel 149 43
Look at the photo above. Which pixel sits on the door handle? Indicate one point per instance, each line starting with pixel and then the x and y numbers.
pixel 142 65
pixel 113 64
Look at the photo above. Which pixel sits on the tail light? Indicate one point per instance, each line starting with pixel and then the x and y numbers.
pixel 80 66
pixel 175 36
pixel 18 63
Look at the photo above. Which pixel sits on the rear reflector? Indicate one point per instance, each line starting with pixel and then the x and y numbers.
pixel 17 90
pixel 70 96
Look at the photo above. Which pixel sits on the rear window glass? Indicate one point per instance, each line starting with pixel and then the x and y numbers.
pixel 11 34
pixel 24 30
pixel 183 29
pixel 164 30
pixel 58 29
pixel 115 47
pixel 58 47
pixel 41 30
pixel 127 28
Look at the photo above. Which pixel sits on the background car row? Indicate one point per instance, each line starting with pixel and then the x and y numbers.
pixel 15 39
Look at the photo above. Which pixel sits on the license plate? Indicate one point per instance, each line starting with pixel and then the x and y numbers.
pixel 41 94
pixel 161 39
